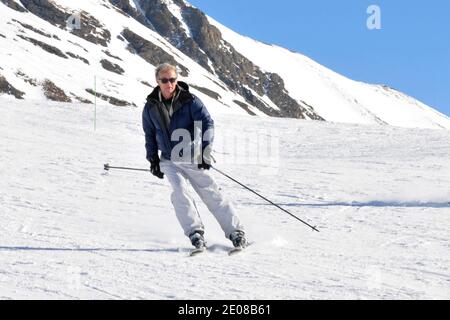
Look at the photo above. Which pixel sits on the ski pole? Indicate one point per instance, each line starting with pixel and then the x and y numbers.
pixel 313 227
pixel 107 167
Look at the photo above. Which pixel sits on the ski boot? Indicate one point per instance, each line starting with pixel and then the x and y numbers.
pixel 238 239
pixel 198 242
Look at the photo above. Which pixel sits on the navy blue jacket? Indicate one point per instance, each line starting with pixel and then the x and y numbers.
pixel 187 109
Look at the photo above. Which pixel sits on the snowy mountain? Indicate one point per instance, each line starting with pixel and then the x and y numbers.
pixel 76 51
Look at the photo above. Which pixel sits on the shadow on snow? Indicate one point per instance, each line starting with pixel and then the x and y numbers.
pixel 399 204
pixel 215 247
pixel 24 248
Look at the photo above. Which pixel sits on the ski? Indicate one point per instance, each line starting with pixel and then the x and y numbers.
pixel 235 250
pixel 238 249
pixel 197 251
pixel 232 251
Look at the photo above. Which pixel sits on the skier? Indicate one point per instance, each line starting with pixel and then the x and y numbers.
pixel 170 111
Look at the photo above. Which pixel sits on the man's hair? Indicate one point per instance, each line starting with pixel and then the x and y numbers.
pixel 165 67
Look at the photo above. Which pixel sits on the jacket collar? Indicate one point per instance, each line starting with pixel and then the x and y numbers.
pixel 182 96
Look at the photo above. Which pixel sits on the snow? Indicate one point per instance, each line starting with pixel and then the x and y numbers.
pixel 175 10
pixel 379 195
pixel 134 4
pixel 268 103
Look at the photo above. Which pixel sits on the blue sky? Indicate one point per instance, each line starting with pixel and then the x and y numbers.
pixel 411 51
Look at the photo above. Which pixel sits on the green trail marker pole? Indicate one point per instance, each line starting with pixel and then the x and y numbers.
pixel 95 103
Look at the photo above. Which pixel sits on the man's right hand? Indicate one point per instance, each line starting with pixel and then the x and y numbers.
pixel 155 170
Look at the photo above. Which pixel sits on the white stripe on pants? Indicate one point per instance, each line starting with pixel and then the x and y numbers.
pixel 203 183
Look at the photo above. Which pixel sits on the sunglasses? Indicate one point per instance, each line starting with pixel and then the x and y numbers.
pixel 166 80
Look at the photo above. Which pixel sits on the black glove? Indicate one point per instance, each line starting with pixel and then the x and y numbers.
pixel 204 165
pixel 155 170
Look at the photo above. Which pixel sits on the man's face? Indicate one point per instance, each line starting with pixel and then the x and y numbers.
pixel 167 88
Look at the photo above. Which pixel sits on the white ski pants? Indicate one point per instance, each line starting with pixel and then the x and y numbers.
pixel 179 174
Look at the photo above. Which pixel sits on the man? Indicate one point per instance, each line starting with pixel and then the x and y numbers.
pixel 171 113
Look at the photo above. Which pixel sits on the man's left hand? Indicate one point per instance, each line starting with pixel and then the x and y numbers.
pixel 204 165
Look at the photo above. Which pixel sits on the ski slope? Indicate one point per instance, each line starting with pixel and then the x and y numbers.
pixel 378 194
